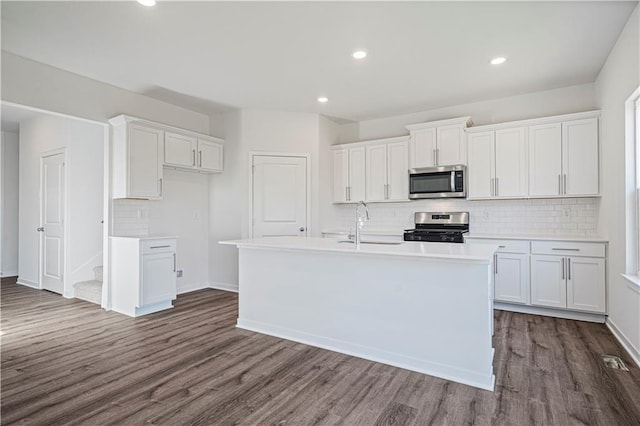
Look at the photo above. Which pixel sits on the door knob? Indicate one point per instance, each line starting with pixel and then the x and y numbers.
pixel 302 229
pixel 41 229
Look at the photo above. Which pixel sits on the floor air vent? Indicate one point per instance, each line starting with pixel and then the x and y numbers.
pixel 613 361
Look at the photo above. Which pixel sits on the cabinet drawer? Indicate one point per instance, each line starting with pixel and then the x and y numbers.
pixel 504 246
pixel 568 248
pixel 158 246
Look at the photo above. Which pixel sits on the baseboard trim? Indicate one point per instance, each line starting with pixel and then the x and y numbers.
pixel 8 274
pixel 224 286
pixel 624 342
pixel 550 312
pixel 192 287
pixel 443 371
pixel 28 283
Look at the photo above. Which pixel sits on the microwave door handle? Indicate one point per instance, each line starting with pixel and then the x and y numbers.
pixel 453 181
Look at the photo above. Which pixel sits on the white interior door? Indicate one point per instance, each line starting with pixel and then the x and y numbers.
pixel 52 210
pixel 279 196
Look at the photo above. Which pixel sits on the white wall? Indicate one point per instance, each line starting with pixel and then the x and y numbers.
pixel 617 80
pixel 531 105
pixel 31 83
pixel 9 204
pixel 248 131
pixel 84 144
pixel 184 212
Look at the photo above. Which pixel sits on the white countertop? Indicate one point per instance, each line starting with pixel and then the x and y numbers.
pixel 147 237
pixel 381 232
pixel 451 251
pixel 539 237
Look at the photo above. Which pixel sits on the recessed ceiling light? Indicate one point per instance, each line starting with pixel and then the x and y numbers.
pixel 497 61
pixel 323 99
pixel 359 54
pixel 148 3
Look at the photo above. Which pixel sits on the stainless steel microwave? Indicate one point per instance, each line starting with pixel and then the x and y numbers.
pixel 438 182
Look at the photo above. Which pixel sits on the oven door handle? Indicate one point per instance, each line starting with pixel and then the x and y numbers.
pixel 453 181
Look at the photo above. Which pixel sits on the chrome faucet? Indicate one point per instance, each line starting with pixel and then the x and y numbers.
pixel 360 220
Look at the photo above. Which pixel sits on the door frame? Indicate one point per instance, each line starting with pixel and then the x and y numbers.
pixel 65 218
pixel 307 157
pixel 107 201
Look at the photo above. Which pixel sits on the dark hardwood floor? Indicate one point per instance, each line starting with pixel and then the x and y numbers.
pixel 68 362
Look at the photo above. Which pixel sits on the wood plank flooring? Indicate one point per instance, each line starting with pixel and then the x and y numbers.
pixel 68 362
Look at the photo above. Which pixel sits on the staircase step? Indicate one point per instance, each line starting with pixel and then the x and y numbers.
pixel 90 291
pixel 98 273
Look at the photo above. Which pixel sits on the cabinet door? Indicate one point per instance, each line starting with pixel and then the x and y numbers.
pixel 179 150
pixel 423 148
pixel 580 157
pixel 545 160
pixel 512 278
pixel 145 162
pixel 480 170
pixel 585 284
pixel 548 284
pixel 210 156
pixel 357 176
pixel 158 278
pixel 451 146
pixel 398 171
pixel 376 171
pixel 511 163
pixel 340 175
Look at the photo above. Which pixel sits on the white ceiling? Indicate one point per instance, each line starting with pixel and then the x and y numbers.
pixel 422 55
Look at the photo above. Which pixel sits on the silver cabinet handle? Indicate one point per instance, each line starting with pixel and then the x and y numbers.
pixel 565 185
pixel 157 247
pixel 434 157
pixel 161 187
pixel 559 184
pixel 495 263
pixel 437 156
pixel 493 186
pixel 346 193
pixel 193 157
pixel 200 158
pixel 563 268
pixel 501 246
pixel 174 262
pixel 497 187
pixel 568 268
pixel 302 229
pixel 565 249
pixel 41 229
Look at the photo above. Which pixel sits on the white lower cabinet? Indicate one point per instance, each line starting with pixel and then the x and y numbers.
pixel 557 276
pixel 143 274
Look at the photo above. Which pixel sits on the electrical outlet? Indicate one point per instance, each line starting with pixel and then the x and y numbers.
pixel 485 214
pixel 566 213
pixel 179 273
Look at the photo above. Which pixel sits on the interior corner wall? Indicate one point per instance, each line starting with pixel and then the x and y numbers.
pixel 9 204
pixel 617 80
pixel 246 131
pixel 34 84
pixel 84 147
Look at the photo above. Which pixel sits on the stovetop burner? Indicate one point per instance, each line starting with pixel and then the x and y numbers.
pixel 439 227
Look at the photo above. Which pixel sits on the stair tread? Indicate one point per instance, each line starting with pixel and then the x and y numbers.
pixel 90 283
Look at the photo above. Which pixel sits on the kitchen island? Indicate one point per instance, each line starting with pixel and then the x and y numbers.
pixel 426 307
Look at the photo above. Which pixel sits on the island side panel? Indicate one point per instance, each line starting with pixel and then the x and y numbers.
pixel 426 315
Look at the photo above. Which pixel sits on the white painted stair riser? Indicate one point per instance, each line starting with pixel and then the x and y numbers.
pixel 90 291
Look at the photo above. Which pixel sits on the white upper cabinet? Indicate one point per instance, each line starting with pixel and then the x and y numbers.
pixel 137 160
pixel 348 174
pixel 210 155
pixel 438 143
pixel 372 171
pixel 180 150
pixel 511 163
pixel 481 170
pixel 387 172
pixel 545 160
pixel 580 159
pixel 540 158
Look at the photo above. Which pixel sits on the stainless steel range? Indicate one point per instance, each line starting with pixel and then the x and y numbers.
pixel 442 227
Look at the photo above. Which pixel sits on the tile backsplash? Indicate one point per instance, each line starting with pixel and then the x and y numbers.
pixel 130 217
pixel 565 217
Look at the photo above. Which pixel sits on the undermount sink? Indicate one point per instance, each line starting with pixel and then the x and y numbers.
pixel 390 243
